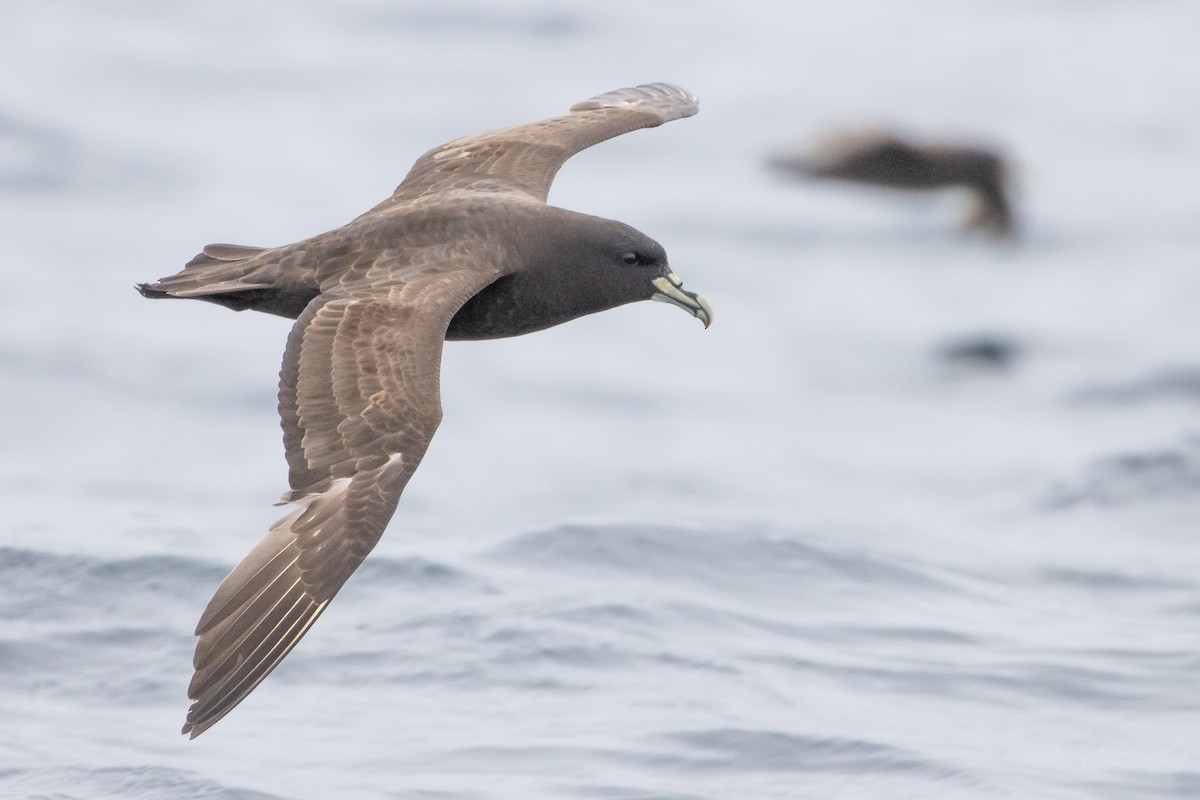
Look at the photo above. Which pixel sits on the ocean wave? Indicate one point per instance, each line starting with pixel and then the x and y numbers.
pixel 1108 580
pixel 1083 678
pixel 734 560
pixel 727 751
pixel 776 751
pixel 1175 383
pixel 65 782
pixel 83 627
pixel 1145 785
pixel 120 664
pixel 38 586
pixel 1123 478
pixel 414 572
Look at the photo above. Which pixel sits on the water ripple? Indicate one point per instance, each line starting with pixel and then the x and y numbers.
pixel 774 751
pixel 128 783
pixel 41 587
pixel 1126 478
pixel 734 560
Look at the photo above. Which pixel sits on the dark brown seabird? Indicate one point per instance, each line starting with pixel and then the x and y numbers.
pixel 886 159
pixel 465 248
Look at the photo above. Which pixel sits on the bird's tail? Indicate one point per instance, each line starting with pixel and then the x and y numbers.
pixel 218 269
pixel 233 276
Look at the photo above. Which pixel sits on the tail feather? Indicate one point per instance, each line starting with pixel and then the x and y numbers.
pixel 223 253
pixel 148 290
pixel 184 285
pixel 230 252
pixel 217 269
pixel 233 276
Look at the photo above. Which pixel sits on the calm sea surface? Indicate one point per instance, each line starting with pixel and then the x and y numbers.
pixel 798 555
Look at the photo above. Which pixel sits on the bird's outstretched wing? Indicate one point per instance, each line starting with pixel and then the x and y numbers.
pixel 525 158
pixel 359 401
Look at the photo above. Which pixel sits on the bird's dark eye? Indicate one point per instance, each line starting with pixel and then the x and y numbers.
pixel 630 258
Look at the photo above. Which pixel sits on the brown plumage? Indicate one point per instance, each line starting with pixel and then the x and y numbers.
pixel 886 159
pixel 465 248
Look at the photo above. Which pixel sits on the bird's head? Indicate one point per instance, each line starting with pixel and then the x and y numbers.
pixel 605 264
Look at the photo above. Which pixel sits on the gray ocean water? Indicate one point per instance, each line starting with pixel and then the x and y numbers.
pixel 798 555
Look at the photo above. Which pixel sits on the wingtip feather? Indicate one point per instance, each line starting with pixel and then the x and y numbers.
pixel 675 100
